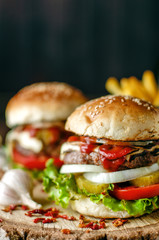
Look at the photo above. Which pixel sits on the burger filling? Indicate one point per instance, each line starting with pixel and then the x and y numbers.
pixel 121 175
pixel 113 156
pixel 33 145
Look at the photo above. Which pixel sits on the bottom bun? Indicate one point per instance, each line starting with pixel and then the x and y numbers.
pixel 87 207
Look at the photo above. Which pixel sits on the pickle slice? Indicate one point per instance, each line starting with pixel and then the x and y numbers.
pixel 89 186
pixel 147 180
pixel 46 136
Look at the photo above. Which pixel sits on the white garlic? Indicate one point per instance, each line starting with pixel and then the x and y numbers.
pixel 19 180
pixel 8 196
pixel 3 160
pixel 19 183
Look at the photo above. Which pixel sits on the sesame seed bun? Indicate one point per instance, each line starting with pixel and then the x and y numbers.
pixel 121 118
pixel 47 101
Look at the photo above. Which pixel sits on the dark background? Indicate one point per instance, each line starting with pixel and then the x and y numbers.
pixel 82 42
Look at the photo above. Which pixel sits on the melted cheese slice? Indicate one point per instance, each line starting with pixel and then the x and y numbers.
pixel 25 141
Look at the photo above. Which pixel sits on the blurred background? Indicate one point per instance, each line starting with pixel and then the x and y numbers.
pixel 78 42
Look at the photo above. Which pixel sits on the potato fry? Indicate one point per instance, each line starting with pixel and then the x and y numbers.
pixel 138 89
pixel 149 83
pixel 133 87
pixel 112 85
pixel 125 86
pixel 156 99
pixel 124 83
pixel 145 89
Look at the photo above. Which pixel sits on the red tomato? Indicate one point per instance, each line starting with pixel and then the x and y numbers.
pixel 134 193
pixel 33 161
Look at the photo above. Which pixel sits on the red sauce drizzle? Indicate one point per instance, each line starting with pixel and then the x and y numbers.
pixel 87 148
pixel 111 155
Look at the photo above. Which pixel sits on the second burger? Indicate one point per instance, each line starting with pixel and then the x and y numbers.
pixel 36 115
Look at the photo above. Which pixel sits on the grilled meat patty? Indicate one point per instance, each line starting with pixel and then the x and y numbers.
pixel 134 161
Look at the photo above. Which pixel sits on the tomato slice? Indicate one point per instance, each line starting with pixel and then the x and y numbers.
pixel 33 161
pixel 134 193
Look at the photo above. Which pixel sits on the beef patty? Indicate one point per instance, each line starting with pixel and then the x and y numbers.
pixel 135 161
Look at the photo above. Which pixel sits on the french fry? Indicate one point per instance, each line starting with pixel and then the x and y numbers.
pixel 112 85
pixel 125 86
pixel 156 99
pixel 149 83
pixel 133 87
pixel 124 83
pixel 146 89
pixel 138 89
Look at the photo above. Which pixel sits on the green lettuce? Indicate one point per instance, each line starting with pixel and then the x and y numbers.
pixel 62 188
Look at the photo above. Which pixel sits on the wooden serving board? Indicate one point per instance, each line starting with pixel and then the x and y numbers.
pixel 18 226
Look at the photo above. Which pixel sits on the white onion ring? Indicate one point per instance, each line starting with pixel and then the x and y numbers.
pixel 80 168
pixel 120 176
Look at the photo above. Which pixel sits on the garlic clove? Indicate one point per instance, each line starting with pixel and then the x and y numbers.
pixel 3 160
pixel 26 199
pixel 20 184
pixel 8 196
pixel 18 179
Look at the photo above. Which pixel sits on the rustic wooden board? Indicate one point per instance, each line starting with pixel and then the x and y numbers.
pixel 18 226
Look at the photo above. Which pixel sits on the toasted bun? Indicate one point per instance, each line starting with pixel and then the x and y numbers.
pixel 43 102
pixel 87 207
pixel 117 118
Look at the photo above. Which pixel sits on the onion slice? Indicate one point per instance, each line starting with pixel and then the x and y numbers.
pixel 120 176
pixel 80 168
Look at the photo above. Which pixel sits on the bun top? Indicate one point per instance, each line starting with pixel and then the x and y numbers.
pixel 47 101
pixel 121 118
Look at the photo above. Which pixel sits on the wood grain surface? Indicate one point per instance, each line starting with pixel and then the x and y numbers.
pixel 19 226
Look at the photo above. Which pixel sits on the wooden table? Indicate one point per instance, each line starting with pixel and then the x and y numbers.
pixel 19 226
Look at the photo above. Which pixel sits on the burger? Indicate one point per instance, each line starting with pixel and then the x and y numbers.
pixel 37 114
pixel 111 160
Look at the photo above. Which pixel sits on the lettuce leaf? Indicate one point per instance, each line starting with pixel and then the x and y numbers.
pixel 62 188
